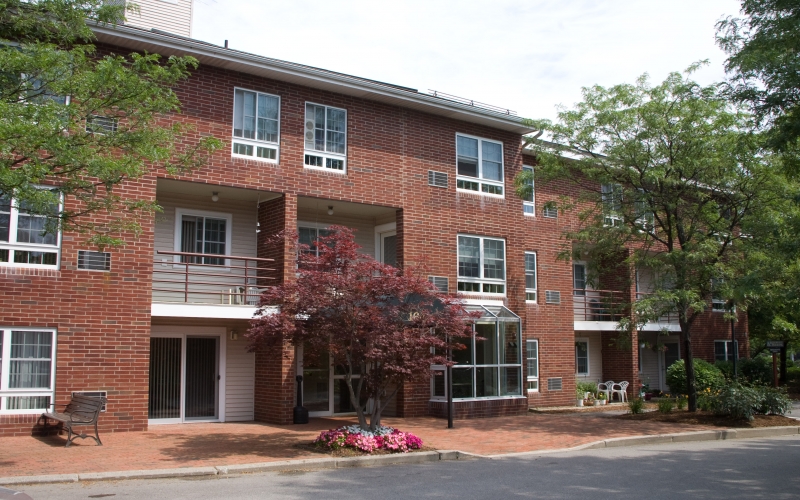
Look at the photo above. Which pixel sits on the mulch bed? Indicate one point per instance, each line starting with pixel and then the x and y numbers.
pixel 706 418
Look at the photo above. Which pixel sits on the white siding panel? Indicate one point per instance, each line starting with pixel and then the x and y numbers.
pixel 239 382
pixel 364 227
pixel 173 16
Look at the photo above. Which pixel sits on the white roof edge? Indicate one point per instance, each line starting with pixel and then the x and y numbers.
pixel 117 35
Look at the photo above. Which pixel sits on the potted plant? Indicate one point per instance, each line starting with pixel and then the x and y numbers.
pixel 579 396
pixel 601 398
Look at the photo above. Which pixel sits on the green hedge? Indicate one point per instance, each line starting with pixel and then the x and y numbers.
pixel 706 376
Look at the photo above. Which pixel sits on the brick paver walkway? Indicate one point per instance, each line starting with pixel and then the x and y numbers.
pixel 194 445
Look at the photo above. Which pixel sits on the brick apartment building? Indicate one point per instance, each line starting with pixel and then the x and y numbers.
pixel 158 326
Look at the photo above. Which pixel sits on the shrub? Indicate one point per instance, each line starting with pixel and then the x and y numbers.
pixel 706 375
pixel 584 387
pixel 665 405
pixel 681 401
pixel 774 401
pixel 756 371
pixel 636 406
pixel 793 374
pixel 744 401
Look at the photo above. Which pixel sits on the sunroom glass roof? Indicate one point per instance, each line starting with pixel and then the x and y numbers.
pixel 497 313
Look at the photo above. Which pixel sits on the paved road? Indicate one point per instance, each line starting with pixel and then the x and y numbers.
pixel 763 468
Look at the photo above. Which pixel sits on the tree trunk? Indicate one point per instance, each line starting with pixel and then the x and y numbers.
pixel 691 386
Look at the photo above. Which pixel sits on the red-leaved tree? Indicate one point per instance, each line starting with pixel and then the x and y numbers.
pixel 384 326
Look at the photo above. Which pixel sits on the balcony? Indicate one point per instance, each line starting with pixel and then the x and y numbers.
pixel 196 278
pixel 668 320
pixel 598 305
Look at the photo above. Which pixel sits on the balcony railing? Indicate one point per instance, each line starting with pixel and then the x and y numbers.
pixel 598 305
pixel 210 279
pixel 670 317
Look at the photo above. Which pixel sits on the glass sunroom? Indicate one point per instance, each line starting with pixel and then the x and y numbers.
pixel 491 365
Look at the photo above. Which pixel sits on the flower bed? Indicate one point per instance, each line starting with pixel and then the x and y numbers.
pixel 384 438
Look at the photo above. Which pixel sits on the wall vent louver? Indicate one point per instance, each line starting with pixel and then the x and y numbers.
pixel 438 179
pixel 94 261
pixel 554 384
pixel 439 282
pixel 552 297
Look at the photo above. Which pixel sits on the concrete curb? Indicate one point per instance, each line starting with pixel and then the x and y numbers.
pixel 404 458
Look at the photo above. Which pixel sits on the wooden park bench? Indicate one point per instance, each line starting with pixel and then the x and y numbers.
pixel 81 411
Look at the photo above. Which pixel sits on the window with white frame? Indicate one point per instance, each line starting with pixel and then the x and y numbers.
pixel 309 235
pixel 325 137
pixel 27 378
pixel 579 279
pixel 528 203
pixel 724 350
pixel 256 125
pixel 718 302
pixel 582 356
pixel 481 265
pixel 612 204
pixel 97 124
pixel 532 362
pixel 24 241
pixel 201 232
pixel 479 165
pixel 530 276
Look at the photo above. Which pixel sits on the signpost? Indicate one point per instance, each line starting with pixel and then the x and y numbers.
pixel 775 347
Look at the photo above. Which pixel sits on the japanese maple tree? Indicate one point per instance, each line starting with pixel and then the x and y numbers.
pixel 383 326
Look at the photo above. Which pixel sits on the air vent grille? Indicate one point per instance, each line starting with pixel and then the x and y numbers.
pixel 438 179
pixel 554 384
pixel 94 261
pixel 550 212
pixel 439 282
pixel 552 297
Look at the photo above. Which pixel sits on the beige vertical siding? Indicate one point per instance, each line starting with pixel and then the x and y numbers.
pixel 239 381
pixel 174 16
pixel 364 227
pixel 595 357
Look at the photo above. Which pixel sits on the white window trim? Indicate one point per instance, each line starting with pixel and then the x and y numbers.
pixel 482 281
pixel 535 279
pixel 588 358
pixel 610 219
pixel 532 203
pixel 5 391
pixel 727 354
pixel 11 246
pixel 585 278
pixel 480 180
pixel 382 231
pixel 313 225
pixel 325 154
pixel 253 142
pixel 180 212
pixel 537 378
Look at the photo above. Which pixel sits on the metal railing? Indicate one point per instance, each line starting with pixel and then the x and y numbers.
pixel 599 305
pixel 210 278
pixel 470 102
pixel 670 317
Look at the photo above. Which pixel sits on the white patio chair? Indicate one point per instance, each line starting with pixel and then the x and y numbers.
pixel 606 387
pixel 620 389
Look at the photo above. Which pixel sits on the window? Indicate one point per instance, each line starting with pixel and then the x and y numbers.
pixel 532 361
pixel 23 240
pixel 612 204
pixel 718 303
pixel 256 125
pixel 490 367
pixel 26 369
pixel 724 350
pixel 308 236
pixel 325 137
pixel 530 276
pixel 582 357
pixel 479 165
pixel 481 265
pixel 579 279
pixel 201 232
pixel 528 202
pixel 96 124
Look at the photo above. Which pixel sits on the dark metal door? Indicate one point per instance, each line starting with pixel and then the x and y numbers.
pixel 201 377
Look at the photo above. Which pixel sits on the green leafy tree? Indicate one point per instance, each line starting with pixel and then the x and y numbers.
pixel 763 62
pixel 83 122
pixel 668 175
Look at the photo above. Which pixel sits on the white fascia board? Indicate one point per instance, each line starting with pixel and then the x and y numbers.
pixel 593 326
pixel 211 311
pixel 137 39
pixel 659 326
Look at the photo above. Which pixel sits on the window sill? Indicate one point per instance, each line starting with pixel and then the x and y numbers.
pixel 254 158
pixel 324 169
pixel 481 193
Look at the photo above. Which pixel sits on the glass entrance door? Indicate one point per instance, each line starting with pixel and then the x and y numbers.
pixel 388 250
pixel 325 390
pixel 669 355
pixel 184 378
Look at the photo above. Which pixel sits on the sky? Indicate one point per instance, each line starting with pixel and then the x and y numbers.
pixel 527 56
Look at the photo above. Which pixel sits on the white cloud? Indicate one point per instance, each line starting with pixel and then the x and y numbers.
pixel 525 55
